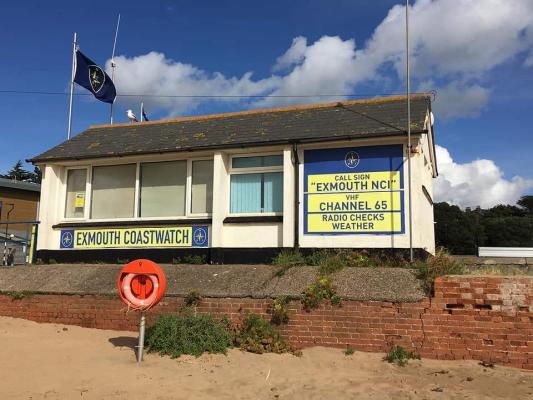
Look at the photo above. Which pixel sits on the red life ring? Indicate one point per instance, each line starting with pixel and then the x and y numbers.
pixel 136 302
pixel 141 284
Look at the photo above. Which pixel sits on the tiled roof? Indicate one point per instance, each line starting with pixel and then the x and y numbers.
pixel 318 122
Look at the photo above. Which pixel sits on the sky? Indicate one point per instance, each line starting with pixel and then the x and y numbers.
pixel 476 55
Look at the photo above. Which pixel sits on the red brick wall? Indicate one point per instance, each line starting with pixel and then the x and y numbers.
pixel 481 318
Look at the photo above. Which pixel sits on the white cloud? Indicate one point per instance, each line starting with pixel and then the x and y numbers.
pixel 458 99
pixel 479 182
pixel 454 43
pixel 294 55
pixel 157 75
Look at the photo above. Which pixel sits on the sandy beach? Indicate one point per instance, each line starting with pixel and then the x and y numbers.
pixel 49 361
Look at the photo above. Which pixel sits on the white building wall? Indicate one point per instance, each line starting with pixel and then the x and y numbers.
pixel 265 234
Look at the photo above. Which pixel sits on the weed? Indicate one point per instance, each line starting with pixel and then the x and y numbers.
pixel 336 300
pixel 400 356
pixel 194 259
pixel 497 270
pixel 287 259
pixel 19 295
pixel 333 263
pixel 176 260
pixel 257 335
pixel 317 257
pixel 52 261
pixel 192 298
pixel 188 334
pixel 280 313
pixel 359 259
pixel 349 351
pixel 440 264
pixel 320 290
pixel 123 260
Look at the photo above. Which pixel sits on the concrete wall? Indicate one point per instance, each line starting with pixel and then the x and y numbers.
pixel 262 234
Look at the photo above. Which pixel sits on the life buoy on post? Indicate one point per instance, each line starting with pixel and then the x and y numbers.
pixel 141 285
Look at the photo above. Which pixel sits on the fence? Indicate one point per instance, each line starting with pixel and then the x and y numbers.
pixel 18 239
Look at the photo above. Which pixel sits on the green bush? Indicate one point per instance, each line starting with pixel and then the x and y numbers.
pixel 280 314
pixel 317 257
pixel 287 259
pixel 188 334
pixel 333 263
pixel 258 336
pixel 193 298
pixel 322 289
pixel 440 264
pixel 349 351
pixel 400 356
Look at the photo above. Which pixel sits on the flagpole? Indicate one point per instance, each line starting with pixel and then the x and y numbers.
pixel 113 65
pixel 73 73
pixel 142 111
pixel 408 86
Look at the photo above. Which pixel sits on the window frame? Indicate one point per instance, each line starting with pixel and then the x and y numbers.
pixel 137 190
pixel 88 180
pixel 253 170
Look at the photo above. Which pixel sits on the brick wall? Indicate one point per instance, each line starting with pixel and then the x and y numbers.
pixel 481 318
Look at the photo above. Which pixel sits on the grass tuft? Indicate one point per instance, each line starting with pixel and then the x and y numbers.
pixel 398 355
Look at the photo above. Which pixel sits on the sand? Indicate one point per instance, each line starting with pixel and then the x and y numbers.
pixel 49 361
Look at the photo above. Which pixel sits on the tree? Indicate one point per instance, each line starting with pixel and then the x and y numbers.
pixel 457 230
pixel 526 202
pixel 18 173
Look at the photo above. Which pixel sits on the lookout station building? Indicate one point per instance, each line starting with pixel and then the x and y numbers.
pixel 238 187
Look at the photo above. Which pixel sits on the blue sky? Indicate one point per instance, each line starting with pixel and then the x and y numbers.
pixel 477 55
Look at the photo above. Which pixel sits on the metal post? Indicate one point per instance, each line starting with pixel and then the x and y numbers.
pixel 142 111
pixel 409 150
pixel 4 258
pixel 74 44
pixel 140 347
pixel 113 65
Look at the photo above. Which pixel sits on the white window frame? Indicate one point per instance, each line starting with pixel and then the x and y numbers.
pixel 88 193
pixel 86 207
pixel 252 170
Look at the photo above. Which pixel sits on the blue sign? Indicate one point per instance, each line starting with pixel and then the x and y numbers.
pixel 172 236
pixel 354 190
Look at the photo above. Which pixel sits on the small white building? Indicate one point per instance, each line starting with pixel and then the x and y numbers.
pixel 238 187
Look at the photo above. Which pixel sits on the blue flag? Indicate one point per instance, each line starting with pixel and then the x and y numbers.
pixel 94 79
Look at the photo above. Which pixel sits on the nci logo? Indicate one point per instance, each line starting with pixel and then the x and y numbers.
pixel 351 159
pixel 67 239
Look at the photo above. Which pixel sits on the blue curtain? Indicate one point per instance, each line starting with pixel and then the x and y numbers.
pixel 273 192
pixel 245 193
pixel 255 193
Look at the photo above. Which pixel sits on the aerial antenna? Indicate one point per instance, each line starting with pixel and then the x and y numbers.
pixel 113 66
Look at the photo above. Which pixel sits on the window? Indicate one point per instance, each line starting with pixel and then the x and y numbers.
pixel 256 185
pixel 163 189
pixel 75 203
pixel 113 191
pixel 202 187
pixel 144 190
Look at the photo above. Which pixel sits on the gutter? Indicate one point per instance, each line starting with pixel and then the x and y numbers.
pixel 296 162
